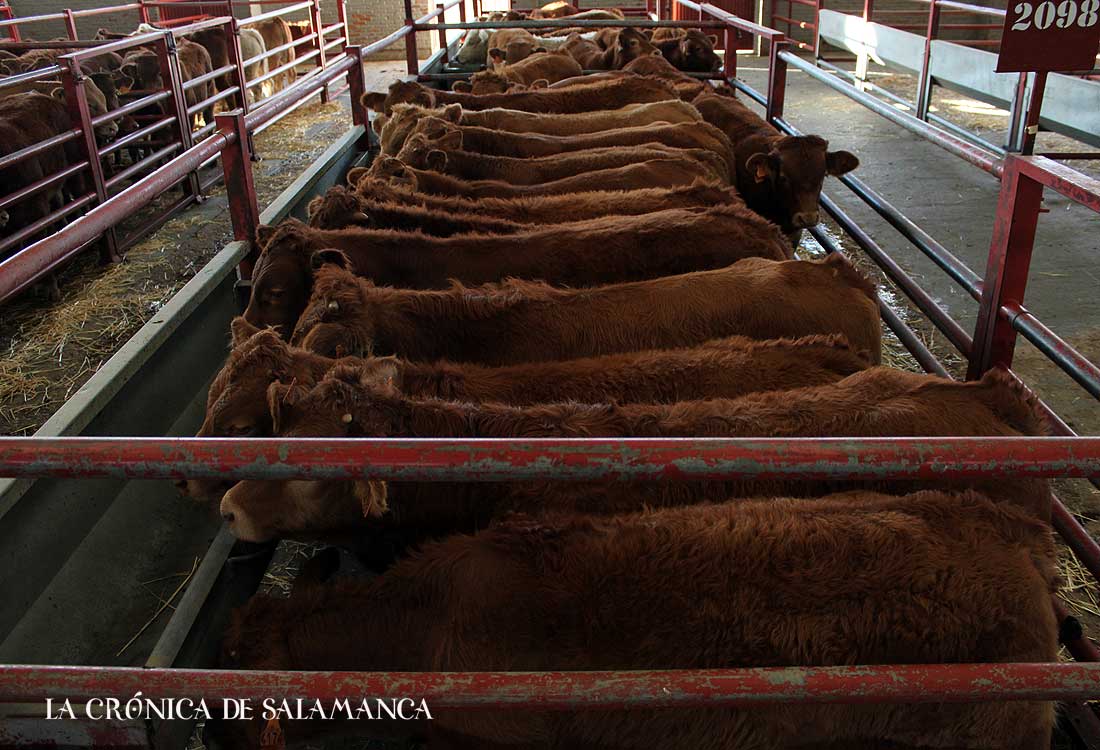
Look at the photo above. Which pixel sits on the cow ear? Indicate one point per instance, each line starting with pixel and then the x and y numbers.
pixel 281 399
pixel 453 112
pixel 840 162
pixel 58 93
pixel 374 100
pixel 264 233
pixel 759 166
pixel 496 55
pixel 436 161
pixel 241 330
pixel 657 53
pixel 314 206
pixel 462 87
pixel 542 83
pixel 450 141
pixel 383 373
pixel 355 174
pixel 648 33
pixel 329 256
pixel 713 39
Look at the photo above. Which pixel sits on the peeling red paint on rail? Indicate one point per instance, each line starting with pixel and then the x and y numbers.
pixel 505 459
pixel 921 683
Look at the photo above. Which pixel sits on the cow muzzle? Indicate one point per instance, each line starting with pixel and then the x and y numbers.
pixel 805 219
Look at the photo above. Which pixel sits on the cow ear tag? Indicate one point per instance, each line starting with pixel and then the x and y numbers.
pixel 346 419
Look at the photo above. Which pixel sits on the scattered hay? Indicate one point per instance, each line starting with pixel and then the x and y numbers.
pixel 285 564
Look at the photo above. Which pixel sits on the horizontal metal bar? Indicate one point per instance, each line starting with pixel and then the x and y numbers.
pixel 210 23
pixel 281 48
pixel 446 459
pixel 582 23
pixel 275 13
pixel 142 165
pixel 40 185
pixel 126 42
pixel 32 19
pixel 1077 186
pixel 282 68
pixel 1071 361
pixel 210 100
pixel 50 44
pixel 131 107
pixel 578 691
pixel 38 227
pixel 44 145
pixel 385 41
pixel 199 80
pixel 944 140
pixel 31 76
pixel 278 104
pixel 795 21
pixel 104 11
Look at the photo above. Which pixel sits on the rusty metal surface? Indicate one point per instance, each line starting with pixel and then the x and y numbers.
pixel 924 683
pixel 504 459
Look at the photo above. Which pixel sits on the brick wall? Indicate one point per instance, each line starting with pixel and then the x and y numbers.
pixel 370 20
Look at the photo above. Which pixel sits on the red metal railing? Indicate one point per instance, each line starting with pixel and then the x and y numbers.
pixel 1001 293
pixel 163 127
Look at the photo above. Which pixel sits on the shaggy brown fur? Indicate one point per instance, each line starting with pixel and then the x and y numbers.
pixel 623 46
pixel 690 50
pixel 667 172
pixel 526 321
pixel 605 95
pixel 444 154
pixel 543 66
pixel 551 209
pixel 779 176
pixel 394 129
pixel 341 207
pixel 694 135
pixel 853 579
pixel 586 253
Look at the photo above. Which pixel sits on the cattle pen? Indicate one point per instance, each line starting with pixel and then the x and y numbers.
pixel 78 485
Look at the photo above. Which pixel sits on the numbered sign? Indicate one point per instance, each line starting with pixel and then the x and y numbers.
pixel 1051 35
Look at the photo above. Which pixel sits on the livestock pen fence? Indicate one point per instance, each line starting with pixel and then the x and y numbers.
pixel 1000 293
pixel 163 119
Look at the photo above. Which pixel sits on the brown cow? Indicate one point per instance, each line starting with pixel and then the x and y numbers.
pixel 143 67
pixel 604 95
pixel 393 130
pixel 690 50
pixel 653 66
pixel 544 66
pixel 556 9
pixel 684 135
pixel 276 33
pixel 779 176
pixel 236 404
pixel 875 403
pixel 340 208
pixel 549 209
pixel 628 44
pixel 858 578
pixel 586 253
pixel 665 173
pixel 444 154
pixel 526 321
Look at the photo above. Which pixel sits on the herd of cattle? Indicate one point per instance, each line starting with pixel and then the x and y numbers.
pixel 36 111
pixel 612 256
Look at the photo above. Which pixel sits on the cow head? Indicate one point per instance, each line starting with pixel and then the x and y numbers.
pixel 490 81
pixel 631 45
pixel 260 511
pixel 400 92
pixel 394 172
pixel 337 320
pixel 696 52
pixel 474 45
pixel 435 129
pixel 515 50
pixel 431 155
pixel 143 69
pixel 404 119
pixel 282 277
pixel 792 173
pixel 236 404
pixel 106 83
pixel 338 208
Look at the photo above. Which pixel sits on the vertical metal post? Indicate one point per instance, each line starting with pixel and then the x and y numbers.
pixel 412 59
pixel 818 5
pixel 462 12
pixel 70 25
pixel 1034 109
pixel 777 79
pixel 319 37
pixel 357 86
pixel 1007 268
pixel 729 54
pixel 342 16
pixel 441 19
pixel 172 78
pixel 239 184
pixel 76 101
pixel 236 58
pixel 863 58
pixel 1017 113
pixel 143 11
pixel 924 85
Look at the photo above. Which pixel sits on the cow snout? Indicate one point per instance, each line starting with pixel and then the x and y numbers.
pixel 805 219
